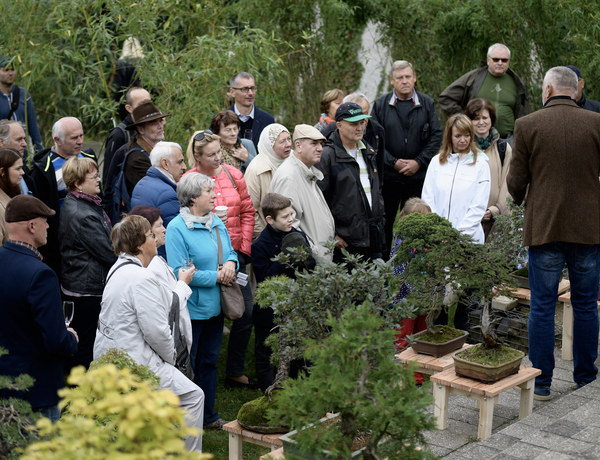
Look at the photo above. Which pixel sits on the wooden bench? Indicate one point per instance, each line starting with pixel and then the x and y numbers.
pixel 428 364
pixel 238 435
pixel 567 331
pixel 447 382
pixel 273 455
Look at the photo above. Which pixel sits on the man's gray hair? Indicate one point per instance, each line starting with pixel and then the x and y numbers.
pixel 58 129
pixel 562 79
pixel 163 150
pixel 399 65
pixel 234 79
pixel 357 97
pixel 5 129
pixel 191 186
pixel 495 45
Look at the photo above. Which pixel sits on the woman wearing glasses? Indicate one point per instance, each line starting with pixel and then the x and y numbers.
pixel 231 191
pixel 86 250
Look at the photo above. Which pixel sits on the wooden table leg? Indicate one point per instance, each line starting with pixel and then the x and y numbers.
pixel 486 417
pixel 440 408
pixel 526 405
pixel 235 447
pixel 567 332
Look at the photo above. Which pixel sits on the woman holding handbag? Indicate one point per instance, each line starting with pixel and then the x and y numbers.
pixel 231 191
pixel 192 238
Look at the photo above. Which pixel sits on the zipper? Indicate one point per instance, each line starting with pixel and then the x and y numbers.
pixel 452 187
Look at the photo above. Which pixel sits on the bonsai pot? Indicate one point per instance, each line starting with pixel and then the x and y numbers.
pixel 437 349
pixel 485 372
pixel 292 449
pixel 521 277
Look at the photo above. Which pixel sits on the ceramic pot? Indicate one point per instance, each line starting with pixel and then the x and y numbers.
pixel 483 372
pixel 437 349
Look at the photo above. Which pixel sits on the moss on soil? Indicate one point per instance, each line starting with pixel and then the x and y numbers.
pixel 489 356
pixel 254 413
pixel 441 334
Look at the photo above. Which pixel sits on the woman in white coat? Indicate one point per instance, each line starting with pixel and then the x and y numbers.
pixel 457 183
pixel 135 316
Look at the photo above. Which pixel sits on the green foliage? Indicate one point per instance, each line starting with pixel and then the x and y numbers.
pixel 507 236
pixel 254 412
pixel 437 255
pixel 353 373
pixel 121 360
pixel 16 416
pixel 303 305
pixel 140 422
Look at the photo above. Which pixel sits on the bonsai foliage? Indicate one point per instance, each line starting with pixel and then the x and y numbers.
pixel 353 373
pixel 122 360
pixel 16 416
pixel 303 305
pixel 507 236
pixel 114 414
pixel 438 256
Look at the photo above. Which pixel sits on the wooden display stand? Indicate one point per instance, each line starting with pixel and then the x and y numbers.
pixel 273 455
pixel 428 364
pixel 524 295
pixel 447 382
pixel 238 435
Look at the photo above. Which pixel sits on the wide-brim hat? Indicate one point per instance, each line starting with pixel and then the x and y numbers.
pixel 144 113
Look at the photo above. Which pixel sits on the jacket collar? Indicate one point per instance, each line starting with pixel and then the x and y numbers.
pixel 309 174
pixel 162 175
pixel 341 153
pixel 560 100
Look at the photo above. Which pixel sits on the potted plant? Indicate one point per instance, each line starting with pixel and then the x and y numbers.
pixel 441 262
pixel 378 408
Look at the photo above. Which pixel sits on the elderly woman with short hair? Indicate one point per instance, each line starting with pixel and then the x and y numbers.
pixel 192 236
pixel 135 317
pixel 86 251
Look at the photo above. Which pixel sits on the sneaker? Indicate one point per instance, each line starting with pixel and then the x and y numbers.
pixel 541 393
pixel 216 425
pixel 577 386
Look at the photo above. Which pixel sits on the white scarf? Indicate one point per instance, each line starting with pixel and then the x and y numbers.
pixel 267 139
pixel 191 219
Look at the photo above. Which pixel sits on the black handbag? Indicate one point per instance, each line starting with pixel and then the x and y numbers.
pixel 183 360
pixel 232 300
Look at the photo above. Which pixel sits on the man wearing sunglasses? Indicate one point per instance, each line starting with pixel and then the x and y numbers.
pixel 242 88
pixel 494 81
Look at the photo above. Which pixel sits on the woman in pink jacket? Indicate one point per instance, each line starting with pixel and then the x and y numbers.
pixel 232 192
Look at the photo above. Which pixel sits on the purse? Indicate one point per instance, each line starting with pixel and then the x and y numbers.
pixel 183 360
pixel 232 300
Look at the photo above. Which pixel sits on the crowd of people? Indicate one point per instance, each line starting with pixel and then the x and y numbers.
pixel 149 239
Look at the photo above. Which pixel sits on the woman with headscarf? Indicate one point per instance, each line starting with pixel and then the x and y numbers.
pixel 274 146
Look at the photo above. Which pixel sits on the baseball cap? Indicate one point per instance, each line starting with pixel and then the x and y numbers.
pixel 350 111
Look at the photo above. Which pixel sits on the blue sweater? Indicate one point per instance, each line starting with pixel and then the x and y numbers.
pixel 200 245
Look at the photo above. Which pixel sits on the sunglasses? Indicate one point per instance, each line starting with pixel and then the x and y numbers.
pixel 200 137
pixel 500 59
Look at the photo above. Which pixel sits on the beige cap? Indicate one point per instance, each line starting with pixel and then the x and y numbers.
pixel 307 132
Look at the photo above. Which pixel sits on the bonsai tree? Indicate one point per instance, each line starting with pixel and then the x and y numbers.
pixel 354 374
pixel 437 257
pixel 507 236
pixel 303 305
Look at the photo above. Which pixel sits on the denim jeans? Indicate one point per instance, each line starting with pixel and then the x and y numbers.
pixel 51 412
pixel 546 263
pixel 207 336
pixel 241 330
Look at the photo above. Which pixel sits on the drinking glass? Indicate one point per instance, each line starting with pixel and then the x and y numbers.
pixel 68 311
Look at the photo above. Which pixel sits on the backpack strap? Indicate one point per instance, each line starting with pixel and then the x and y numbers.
pixel 14 105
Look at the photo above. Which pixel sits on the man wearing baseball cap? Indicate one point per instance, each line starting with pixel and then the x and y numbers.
pixel 351 185
pixel 32 326
pixel 297 179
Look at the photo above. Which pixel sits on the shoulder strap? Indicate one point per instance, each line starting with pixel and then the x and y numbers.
pixel 219 245
pixel 230 178
pixel 502 150
pixel 174 314
pixel 129 262
pixel 14 105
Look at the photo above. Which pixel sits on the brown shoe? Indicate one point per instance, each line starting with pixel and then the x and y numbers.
pixel 216 425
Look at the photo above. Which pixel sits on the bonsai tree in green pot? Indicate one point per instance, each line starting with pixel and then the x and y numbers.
pixel 353 374
pixel 436 258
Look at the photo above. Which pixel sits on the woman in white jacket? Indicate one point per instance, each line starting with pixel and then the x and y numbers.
pixel 457 183
pixel 135 316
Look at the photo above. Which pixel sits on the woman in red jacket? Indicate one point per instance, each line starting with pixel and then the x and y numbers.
pixel 232 192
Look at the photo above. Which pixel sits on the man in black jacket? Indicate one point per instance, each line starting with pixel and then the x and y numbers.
pixel 582 101
pixel 351 185
pixel 412 137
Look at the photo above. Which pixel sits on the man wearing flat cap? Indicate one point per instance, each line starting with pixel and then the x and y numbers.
pixel 297 179
pixel 351 185
pixel 32 326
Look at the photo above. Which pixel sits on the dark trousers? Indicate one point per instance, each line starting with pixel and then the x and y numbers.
pixel 85 323
pixel 240 333
pixel 394 197
pixel 207 337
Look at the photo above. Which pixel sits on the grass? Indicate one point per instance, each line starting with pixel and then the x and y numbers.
pixel 228 403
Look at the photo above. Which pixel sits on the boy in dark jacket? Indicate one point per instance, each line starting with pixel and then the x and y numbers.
pixel 278 236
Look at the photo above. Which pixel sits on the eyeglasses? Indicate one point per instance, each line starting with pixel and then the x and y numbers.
pixel 200 137
pixel 151 235
pixel 246 89
pixel 500 59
